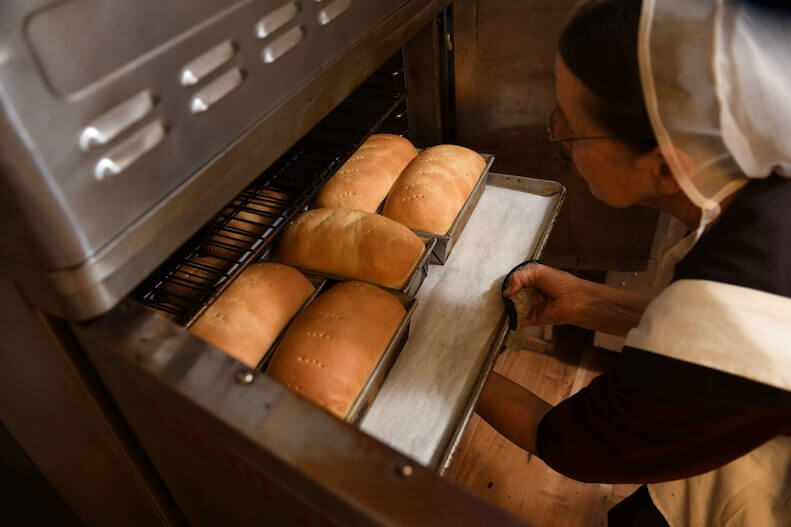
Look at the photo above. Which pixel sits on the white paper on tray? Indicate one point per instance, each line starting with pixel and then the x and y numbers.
pixel 458 312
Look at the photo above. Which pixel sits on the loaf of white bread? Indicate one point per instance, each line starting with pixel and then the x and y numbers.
pixel 239 233
pixel 352 244
pixel 433 188
pixel 329 352
pixel 365 178
pixel 246 319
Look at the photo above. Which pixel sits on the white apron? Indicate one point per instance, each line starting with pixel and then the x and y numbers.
pixel 743 332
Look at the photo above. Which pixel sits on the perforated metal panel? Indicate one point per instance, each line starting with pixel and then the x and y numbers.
pixel 108 110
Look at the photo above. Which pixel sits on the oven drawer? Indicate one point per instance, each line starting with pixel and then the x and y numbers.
pixel 212 426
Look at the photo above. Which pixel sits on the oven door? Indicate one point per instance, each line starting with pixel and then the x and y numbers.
pixel 234 447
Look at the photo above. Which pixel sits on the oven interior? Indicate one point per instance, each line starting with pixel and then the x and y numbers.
pixel 245 230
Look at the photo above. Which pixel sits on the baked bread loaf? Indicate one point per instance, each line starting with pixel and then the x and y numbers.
pixel 329 352
pixel 352 244
pixel 246 319
pixel 238 234
pixel 433 188
pixel 365 178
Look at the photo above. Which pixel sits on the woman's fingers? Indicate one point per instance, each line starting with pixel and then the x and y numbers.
pixel 522 278
pixel 557 298
pixel 545 279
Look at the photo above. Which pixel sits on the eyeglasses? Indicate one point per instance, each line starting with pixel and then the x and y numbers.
pixel 558 131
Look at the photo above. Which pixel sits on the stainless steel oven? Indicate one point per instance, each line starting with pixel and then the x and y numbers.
pixel 132 134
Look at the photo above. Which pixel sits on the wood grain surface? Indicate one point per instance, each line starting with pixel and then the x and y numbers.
pixel 497 470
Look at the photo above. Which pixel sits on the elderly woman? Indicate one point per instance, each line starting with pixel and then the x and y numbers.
pixel 683 105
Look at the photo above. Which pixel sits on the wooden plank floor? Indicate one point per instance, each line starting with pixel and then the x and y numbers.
pixel 497 470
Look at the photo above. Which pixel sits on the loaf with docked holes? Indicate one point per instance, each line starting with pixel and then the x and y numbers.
pixel 246 319
pixel 365 178
pixel 433 188
pixel 330 350
pixel 352 244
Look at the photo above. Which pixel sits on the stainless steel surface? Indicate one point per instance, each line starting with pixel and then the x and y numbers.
pixel 421 270
pixel 383 365
pixel 333 10
pixel 53 406
pixel 416 278
pixel 215 91
pixel 77 245
pixel 426 400
pixel 129 151
pixel 446 242
pixel 283 44
pixel 504 94
pixel 111 124
pixel 245 453
pixel 203 65
pixel 276 19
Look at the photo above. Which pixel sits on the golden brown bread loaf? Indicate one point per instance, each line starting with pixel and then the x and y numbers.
pixel 239 233
pixel 366 177
pixel 352 244
pixel 433 188
pixel 247 318
pixel 330 350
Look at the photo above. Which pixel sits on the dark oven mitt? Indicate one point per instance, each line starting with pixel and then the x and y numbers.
pixel 519 304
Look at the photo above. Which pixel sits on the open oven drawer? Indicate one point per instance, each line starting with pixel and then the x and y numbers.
pixel 203 417
pixel 234 446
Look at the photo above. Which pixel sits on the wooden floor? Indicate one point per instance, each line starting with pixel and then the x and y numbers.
pixel 500 472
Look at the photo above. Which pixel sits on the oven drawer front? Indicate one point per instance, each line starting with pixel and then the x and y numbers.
pixel 236 449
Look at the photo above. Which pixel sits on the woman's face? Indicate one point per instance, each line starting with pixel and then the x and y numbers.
pixel 615 174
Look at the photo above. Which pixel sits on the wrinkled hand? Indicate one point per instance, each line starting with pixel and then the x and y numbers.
pixel 561 298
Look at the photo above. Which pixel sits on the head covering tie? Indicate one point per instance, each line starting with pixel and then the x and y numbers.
pixel 716 77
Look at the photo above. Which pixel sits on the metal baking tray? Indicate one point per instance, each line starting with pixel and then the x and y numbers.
pixel 412 285
pixel 461 323
pixel 446 242
pixel 389 355
pixel 539 187
pixel 523 184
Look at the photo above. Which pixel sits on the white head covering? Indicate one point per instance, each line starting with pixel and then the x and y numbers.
pixel 716 77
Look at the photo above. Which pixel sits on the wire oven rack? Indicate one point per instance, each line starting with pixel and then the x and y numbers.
pixel 185 284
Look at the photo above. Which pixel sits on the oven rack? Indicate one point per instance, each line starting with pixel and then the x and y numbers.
pixel 186 283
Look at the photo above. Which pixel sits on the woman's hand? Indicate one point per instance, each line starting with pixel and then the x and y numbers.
pixel 562 298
